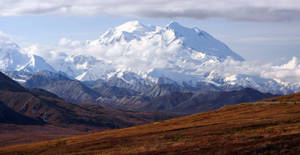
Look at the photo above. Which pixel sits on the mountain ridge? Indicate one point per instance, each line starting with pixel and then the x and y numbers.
pixel 68 89
pixel 45 107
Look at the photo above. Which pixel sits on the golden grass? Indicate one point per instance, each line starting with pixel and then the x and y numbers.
pixel 242 129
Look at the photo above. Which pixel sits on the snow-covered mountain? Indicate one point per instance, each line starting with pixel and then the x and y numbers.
pixel 134 55
pixel 164 38
pixel 36 64
pixel 82 67
pixel 10 56
pixel 175 53
pixel 149 51
pixel 12 59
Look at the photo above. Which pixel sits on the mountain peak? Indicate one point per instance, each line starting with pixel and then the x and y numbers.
pixel 177 28
pixel 125 32
pixel 174 25
pixel 132 26
pixel 14 58
pixel 36 64
pixel 133 22
pixel 133 45
pixel 201 41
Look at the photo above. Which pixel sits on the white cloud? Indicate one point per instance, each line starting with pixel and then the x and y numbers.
pixel 6 42
pixel 145 56
pixel 4 37
pixel 249 10
pixel 287 72
pixel 64 42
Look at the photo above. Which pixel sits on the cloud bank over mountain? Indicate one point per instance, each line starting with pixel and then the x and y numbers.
pixel 135 51
pixel 245 10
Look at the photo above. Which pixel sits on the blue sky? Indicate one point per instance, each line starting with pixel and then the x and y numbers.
pixel 257 30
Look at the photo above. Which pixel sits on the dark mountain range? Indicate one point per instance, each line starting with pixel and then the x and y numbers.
pixel 68 89
pixel 110 90
pixel 162 97
pixel 46 107
pixel 163 89
pixel 186 102
pixel 32 114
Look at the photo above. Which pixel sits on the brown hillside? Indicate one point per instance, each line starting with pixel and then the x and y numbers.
pixel 286 98
pixel 239 129
pixel 14 134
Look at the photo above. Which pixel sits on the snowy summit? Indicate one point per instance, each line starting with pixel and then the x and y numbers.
pixel 150 51
pixel 140 54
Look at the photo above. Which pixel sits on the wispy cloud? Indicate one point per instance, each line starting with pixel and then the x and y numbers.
pixel 245 10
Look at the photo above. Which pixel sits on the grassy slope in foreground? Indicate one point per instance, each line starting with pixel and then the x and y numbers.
pixel 245 128
pixel 292 98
